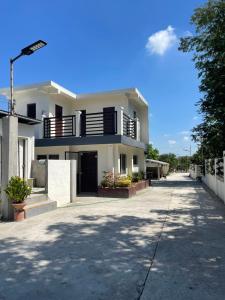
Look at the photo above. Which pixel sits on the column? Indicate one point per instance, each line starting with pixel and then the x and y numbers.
pixel 9 160
pixel 119 110
pixel 137 124
pixel 77 131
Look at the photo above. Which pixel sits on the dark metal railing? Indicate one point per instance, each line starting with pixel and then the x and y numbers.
pixel 64 126
pixel 129 126
pixel 101 123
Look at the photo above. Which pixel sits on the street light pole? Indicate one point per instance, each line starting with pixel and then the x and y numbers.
pixel 12 104
pixel 25 51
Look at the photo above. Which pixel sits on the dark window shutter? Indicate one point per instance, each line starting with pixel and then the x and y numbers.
pixel 109 120
pixel 31 110
pixel 83 123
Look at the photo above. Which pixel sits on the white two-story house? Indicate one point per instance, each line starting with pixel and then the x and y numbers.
pixel 105 131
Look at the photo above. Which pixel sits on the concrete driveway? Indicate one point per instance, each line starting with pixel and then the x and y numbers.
pixel 168 242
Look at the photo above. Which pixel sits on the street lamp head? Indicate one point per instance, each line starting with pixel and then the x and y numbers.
pixel 33 47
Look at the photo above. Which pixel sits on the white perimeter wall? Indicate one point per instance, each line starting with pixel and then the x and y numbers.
pixel 61 181
pixel 215 183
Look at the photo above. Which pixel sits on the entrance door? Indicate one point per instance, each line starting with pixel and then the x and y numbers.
pixel 59 121
pixel 21 158
pixel 88 182
pixel 109 120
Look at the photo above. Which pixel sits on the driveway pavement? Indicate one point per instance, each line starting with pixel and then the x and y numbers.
pixel 168 242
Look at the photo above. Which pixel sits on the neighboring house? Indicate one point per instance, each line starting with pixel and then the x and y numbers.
pixel 156 169
pixel 106 131
pixel 25 150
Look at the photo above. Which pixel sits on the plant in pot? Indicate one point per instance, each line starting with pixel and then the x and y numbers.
pixel 17 191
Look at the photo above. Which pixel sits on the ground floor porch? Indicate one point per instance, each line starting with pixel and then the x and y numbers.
pixel 94 160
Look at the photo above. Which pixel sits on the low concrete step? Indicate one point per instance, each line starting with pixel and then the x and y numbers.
pixel 36 198
pixel 39 207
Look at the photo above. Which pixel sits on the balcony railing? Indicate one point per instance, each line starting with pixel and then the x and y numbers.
pixel 90 124
pixel 100 123
pixel 60 127
pixel 129 126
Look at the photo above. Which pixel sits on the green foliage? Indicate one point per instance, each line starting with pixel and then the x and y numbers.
pixel 17 190
pixel 208 49
pixel 183 162
pixel 123 182
pixel 197 158
pixel 220 167
pixel 152 153
pixel 171 159
pixel 135 177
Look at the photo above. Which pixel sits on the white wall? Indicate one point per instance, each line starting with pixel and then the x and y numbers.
pixel 26 132
pixel 60 177
pixel 60 150
pixel 195 171
pixel 215 183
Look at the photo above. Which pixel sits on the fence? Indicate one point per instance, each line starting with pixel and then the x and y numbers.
pixel 195 171
pixel 214 176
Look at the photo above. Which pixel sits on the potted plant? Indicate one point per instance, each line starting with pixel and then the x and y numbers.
pixel 17 191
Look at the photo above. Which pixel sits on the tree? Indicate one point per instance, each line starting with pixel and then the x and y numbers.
pixel 183 163
pixel 152 153
pixel 208 45
pixel 171 159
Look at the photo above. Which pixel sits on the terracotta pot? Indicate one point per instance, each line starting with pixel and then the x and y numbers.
pixel 19 214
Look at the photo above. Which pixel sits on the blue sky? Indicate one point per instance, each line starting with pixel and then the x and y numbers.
pixel 96 45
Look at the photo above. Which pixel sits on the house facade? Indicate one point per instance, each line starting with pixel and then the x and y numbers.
pixel 106 131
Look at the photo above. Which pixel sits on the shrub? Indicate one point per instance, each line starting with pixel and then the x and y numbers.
pixel 17 189
pixel 108 179
pixel 123 181
pixel 142 175
pixel 135 177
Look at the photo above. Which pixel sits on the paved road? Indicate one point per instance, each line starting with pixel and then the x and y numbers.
pixel 166 243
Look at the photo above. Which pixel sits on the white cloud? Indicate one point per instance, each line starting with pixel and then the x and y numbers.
pixel 195 118
pixel 172 142
pixel 166 135
pixel 161 41
pixel 186 138
pixel 184 132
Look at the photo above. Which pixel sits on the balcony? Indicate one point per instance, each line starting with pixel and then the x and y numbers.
pixel 92 124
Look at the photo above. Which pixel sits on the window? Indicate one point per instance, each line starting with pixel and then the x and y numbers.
pixel 123 163
pixel 53 156
pixel 39 157
pixel 31 110
pixel 135 160
pixel 134 114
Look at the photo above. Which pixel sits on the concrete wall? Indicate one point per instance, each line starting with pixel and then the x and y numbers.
pixel 38 172
pixel 195 171
pixel 25 132
pixel 214 182
pixel 61 181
